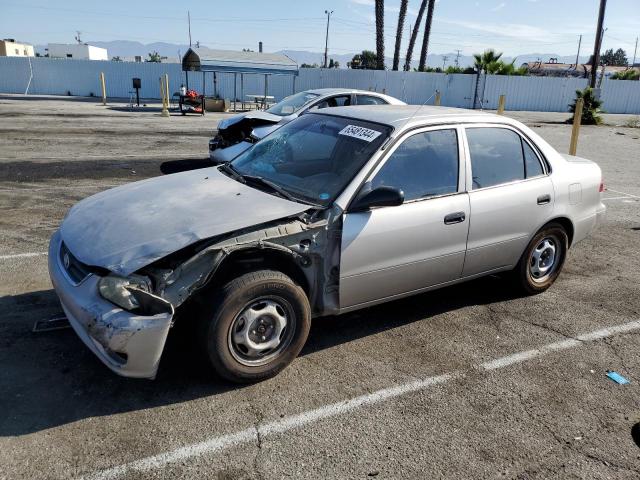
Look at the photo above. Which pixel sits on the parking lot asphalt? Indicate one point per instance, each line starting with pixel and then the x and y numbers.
pixel 470 381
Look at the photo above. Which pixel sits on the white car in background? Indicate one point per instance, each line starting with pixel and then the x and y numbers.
pixel 236 134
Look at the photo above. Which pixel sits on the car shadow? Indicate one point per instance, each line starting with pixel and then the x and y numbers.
pixel 50 379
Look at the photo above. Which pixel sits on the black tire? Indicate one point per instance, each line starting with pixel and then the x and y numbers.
pixel 238 296
pixel 524 274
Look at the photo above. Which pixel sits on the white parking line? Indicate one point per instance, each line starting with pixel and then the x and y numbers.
pixel 616 198
pixel 252 434
pixel 22 255
pixel 160 156
pixel 27 189
pixel 622 193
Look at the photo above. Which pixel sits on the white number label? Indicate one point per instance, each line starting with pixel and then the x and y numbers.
pixel 361 133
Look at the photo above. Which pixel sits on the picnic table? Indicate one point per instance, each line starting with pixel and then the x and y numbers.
pixel 262 101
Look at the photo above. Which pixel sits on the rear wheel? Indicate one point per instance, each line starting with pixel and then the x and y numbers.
pixel 255 326
pixel 543 259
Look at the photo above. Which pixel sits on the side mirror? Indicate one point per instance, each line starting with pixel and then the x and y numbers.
pixel 378 197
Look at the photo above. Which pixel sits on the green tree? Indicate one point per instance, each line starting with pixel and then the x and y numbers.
pixel 334 63
pixel 309 65
pixel 154 57
pixel 366 60
pixel 617 58
pixel 425 37
pixel 116 59
pixel 453 69
pixel 401 17
pixel 414 36
pixel 591 108
pixel 626 75
pixel 379 5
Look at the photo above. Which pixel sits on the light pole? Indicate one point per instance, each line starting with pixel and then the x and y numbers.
pixel 598 43
pixel 326 39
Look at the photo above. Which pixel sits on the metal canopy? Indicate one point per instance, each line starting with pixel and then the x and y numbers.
pixel 208 60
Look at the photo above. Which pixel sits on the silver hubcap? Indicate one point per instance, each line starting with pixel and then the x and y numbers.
pixel 543 259
pixel 261 331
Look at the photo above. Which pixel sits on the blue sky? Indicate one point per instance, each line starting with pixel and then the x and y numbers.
pixel 511 26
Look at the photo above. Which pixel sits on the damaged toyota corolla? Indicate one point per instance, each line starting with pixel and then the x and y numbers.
pixel 335 211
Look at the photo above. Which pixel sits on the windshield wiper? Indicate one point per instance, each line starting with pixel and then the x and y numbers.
pixel 232 171
pixel 274 187
pixel 271 185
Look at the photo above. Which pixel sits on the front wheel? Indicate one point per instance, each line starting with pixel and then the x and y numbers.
pixel 255 326
pixel 543 259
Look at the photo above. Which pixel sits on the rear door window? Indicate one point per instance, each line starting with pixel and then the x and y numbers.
pixel 496 156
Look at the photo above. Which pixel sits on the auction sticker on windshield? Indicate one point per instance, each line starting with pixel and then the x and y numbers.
pixel 361 133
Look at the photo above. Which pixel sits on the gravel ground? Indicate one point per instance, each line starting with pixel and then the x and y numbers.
pixel 550 414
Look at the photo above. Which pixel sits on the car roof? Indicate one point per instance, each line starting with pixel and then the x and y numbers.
pixel 333 91
pixel 401 116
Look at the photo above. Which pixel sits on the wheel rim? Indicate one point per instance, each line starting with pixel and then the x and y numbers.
pixel 544 259
pixel 261 331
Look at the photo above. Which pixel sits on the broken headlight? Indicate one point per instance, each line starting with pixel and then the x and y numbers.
pixel 121 290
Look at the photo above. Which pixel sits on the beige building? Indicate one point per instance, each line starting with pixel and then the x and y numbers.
pixel 10 48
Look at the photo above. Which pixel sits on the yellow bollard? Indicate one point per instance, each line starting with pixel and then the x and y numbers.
pixel 501 101
pixel 163 93
pixel 575 131
pixel 166 83
pixel 104 89
pixel 438 98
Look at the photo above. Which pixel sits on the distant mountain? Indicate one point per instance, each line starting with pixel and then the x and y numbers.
pixel 127 50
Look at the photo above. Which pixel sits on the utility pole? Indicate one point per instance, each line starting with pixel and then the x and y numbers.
pixel 326 38
pixel 457 58
pixel 578 54
pixel 78 39
pixel 598 44
pixel 189 20
pixel 444 61
pixel 635 50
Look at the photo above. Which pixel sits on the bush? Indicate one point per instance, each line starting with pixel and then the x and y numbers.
pixel 590 110
pixel 626 75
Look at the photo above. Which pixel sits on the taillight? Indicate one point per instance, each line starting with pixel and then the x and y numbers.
pixel 602 187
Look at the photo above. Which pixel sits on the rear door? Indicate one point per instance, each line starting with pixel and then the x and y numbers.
pixel 510 195
pixel 390 251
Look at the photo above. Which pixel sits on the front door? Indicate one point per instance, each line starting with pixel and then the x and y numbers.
pixel 391 251
pixel 510 196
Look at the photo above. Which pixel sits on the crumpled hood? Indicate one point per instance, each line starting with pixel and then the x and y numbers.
pixel 129 227
pixel 255 115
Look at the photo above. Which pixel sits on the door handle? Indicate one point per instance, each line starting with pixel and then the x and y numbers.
pixel 456 217
pixel 544 199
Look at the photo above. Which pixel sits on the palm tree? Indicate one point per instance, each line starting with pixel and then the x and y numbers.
pixel 401 16
pixel 425 38
pixel 591 108
pixel 414 35
pixel 486 61
pixel 380 34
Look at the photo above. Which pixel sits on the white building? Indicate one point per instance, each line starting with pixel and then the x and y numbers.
pixel 78 51
pixel 10 48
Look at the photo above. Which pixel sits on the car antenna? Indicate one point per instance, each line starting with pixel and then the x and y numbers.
pixel 409 119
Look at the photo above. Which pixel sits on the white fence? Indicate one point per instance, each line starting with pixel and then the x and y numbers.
pixel 81 77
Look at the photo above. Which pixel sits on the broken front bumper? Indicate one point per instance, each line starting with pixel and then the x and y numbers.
pixel 129 344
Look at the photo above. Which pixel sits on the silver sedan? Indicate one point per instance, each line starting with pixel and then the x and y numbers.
pixel 340 209
pixel 236 134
